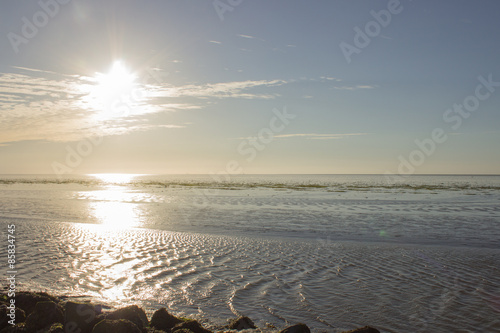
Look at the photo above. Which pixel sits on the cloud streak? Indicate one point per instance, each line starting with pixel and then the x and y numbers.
pixel 315 136
pixel 356 87
pixel 43 105
pixel 238 89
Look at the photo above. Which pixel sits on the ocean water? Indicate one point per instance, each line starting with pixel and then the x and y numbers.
pixel 419 254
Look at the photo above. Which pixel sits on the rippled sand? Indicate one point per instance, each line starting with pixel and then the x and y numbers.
pixel 334 252
pixel 327 284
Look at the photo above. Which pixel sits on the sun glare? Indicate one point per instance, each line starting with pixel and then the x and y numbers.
pixel 114 205
pixel 116 215
pixel 117 79
pixel 115 178
pixel 112 89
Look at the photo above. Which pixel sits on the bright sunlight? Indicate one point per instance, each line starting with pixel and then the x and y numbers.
pixel 113 89
pixel 115 178
pixel 114 206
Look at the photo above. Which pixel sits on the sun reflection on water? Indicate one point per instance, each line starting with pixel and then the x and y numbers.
pixel 115 178
pixel 116 215
pixel 111 205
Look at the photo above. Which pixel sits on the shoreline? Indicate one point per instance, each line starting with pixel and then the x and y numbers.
pixel 40 312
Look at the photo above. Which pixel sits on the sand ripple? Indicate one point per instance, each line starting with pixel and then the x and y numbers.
pixel 330 285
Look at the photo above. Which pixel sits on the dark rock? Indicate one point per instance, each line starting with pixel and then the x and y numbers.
pixel 100 307
pixel 4 319
pixel 18 328
pixel 27 300
pixel 100 317
pixel 115 326
pixel 132 313
pixel 270 325
pixel 79 317
pixel 3 316
pixel 57 328
pixel 191 325
pixel 20 315
pixel 241 323
pixel 163 320
pixel 44 314
pixel 366 329
pixel 181 330
pixel 298 328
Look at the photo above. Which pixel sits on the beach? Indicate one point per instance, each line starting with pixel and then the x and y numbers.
pixel 333 252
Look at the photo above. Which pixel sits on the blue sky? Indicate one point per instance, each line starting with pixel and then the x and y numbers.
pixel 184 86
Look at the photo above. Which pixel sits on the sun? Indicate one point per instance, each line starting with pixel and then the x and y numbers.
pixel 115 178
pixel 118 77
pixel 113 90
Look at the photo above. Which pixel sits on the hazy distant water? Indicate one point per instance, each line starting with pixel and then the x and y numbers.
pixel 335 251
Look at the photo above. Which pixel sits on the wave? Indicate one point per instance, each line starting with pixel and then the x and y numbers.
pixel 327 183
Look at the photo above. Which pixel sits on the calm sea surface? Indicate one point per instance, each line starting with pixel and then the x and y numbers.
pixel 419 253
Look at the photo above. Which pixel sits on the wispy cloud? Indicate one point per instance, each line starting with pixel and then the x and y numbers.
pixel 311 136
pixel 214 42
pixel 329 78
pixel 43 105
pixel 355 87
pixel 335 83
pixel 237 89
pixel 316 136
pixel 251 37
pixel 247 36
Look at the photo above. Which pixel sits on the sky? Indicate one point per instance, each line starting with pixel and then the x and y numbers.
pixel 239 86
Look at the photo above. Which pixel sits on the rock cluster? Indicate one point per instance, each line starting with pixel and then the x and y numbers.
pixel 44 313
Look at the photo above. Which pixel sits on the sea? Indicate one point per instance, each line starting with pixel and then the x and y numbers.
pixel 417 253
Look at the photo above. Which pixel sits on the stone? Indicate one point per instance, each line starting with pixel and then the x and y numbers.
pixel 132 313
pixel 27 300
pixel 181 330
pixel 241 323
pixel 44 314
pixel 4 319
pixel 116 326
pixel 56 328
pixel 163 320
pixel 79 317
pixel 366 329
pixel 298 328
pixel 191 325
pixel 18 328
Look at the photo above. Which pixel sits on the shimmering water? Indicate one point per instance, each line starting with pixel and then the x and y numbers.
pixel 335 252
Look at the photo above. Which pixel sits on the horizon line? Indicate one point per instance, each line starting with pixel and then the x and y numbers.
pixel 253 174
